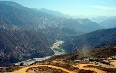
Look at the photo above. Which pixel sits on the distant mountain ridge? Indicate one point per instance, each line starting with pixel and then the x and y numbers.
pixel 22 17
pixel 83 25
pixel 10 3
pixel 109 23
pixel 54 13
pixel 106 21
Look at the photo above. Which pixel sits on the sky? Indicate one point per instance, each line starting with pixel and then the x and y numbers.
pixel 74 7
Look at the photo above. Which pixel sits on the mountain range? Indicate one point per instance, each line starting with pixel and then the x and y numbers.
pixel 54 13
pixel 109 23
pixel 29 33
pixel 27 18
pixel 106 22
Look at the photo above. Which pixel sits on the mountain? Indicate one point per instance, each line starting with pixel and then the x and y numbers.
pixel 99 38
pixel 109 23
pixel 13 16
pixel 20 39
pixel 10 3
pixel 60 34
pixel 18 45
pixel 54 13
pixel 21 32
pixel 105 21
pixel 28 33
pixel 82 25
pixel 19 16
pixel 99 19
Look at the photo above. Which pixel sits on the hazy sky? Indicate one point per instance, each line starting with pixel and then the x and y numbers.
pixel 74 7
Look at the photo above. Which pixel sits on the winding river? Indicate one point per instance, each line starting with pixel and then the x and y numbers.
pixel 55 47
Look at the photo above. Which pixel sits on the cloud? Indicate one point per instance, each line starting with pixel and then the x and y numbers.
pixel 103 7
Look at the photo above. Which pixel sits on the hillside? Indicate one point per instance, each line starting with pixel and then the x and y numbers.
pixel 19 17
pixel 91 40
pixel 14 15
pixel 60 34
pixel 17 45
pixel 82 25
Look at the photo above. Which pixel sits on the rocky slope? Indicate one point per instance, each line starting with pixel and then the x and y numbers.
pixel 17 16
pixel 17 45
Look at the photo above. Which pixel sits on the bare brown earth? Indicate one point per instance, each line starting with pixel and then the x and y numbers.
pixel 23 70
pixel 65 68
pixel 82 66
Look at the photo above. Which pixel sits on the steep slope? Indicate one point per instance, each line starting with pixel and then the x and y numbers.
pixel 60 33
pixel 20 16
pixel 14 15
pixel 91 40
pixel 17 45
pixel 83 25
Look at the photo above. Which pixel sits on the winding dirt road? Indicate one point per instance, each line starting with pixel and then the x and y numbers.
pixel 80 66
pixel 23 70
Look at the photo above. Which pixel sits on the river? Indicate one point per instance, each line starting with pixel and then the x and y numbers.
pixel 56 47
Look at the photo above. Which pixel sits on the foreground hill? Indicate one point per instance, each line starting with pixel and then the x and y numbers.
pixel 91 40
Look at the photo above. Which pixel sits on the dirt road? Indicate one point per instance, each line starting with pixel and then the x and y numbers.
pixel 23 70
